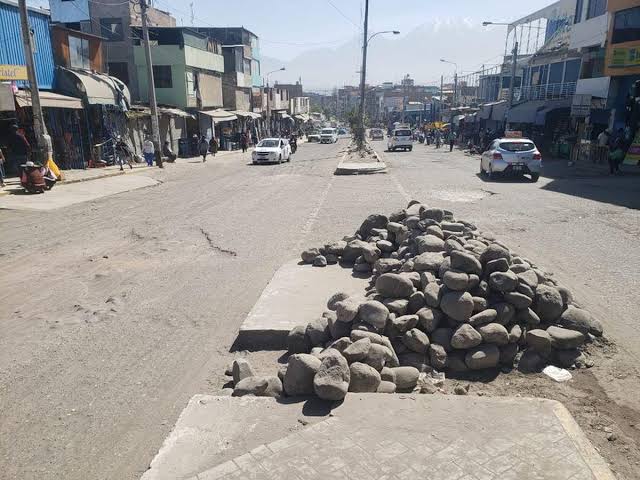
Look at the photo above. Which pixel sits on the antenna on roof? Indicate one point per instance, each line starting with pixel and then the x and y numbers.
pixel 193 17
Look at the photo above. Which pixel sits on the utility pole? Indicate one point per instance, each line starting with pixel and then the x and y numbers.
pixel 363 73
pixel 455 89
pixel 43 140
pixel 268 109
pixel 514 68
pixel 155 127
pixel 441 96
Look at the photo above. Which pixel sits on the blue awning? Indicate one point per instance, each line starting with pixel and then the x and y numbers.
pixel 525 112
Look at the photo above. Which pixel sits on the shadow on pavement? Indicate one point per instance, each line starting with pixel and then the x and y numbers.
pixel 622 191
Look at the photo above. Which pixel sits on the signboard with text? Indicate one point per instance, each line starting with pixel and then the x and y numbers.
pixel 13 72
pixel 581 105
pixel 625 57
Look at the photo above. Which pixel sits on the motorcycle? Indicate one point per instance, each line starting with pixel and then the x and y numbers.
pixel 294 145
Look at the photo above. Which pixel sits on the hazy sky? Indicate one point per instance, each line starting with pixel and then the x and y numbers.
pixel 289 28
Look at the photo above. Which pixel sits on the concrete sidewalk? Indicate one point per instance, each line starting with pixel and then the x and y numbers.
pixel 377 436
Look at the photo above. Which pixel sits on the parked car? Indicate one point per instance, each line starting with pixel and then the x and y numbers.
pixel 376 134
pixel 343 131
pixel 328 135
pixel 272 150
pixel 314 137
pixel 400 139
pixel 512 156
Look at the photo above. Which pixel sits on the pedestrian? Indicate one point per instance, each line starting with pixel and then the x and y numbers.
pixel 213 146
pixel 244 141
pixel 20 148
pixel 148 151
pixel 168 152
pixel 123 154
pixel 2 161
pixel 204 148
pixel 603 138
pixel 452 140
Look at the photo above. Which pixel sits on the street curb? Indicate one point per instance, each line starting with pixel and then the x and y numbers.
pixel 345 168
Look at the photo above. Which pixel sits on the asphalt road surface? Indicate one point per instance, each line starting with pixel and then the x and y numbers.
pixel 114 312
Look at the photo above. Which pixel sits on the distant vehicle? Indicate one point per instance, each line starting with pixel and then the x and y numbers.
pixel 343 131
pixel 328 135
pixel 313 137
pixel 272 150
pixel 400 139
pixel 376 134
pixel 512 156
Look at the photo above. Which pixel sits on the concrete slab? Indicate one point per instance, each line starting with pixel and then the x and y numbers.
pixel 377 436
pixel 360 168
pixel 295 295
pixel 64 195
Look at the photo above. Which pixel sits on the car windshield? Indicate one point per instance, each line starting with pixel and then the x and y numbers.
pixel 517 146
pixel 269 143
pixel 327 131
pixel 403 133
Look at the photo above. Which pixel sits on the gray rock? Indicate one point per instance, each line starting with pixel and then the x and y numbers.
pixel 457 305
pixel 419 361
pixel 433 295
pixel 479 304
pixel 386 387
pixel 494 252
pixel 335 298
pixel 465 337
pixel 498 265
pixel 400 325
pixel 494 333
pixel 503 281
pixel 377 356
pixel 297 341
pixel 506 313
pixel 484 356
pixel 577 319
pixel 364 378
pixel 529 278
pixel 436 214
pixel 548 303
pixel 386 265
pixel 362 268
pixel 406 377
pixel 331 258
pixel 530 362
pixel 539 340
pixel 318 332
pixel 453 226
pixel 519 268
pixel 429 318
pixel 452 245
pixel 241 369
pixel 508 354
pixel 482 290
pixel 429 243
pixel 518 300
pixel 416 341
pixel 335 248
pixel 371 253
pixel 442 336
pixel 398 306
pixel 388 375
pixel 416 302
pixel 434 230
pixel 301 370
pixel 446 265
pixel 353 250
pixel 374 337
pixel 385 246
pixel 255 386
pixel 465 262
pixel 564 339
pixel 395 227
pixel 414 277
pixel 309 255
pixel 567 296
pixel 428 261
pixel 437 356
pixel 393 285
pixel 569 358
pixel 338 329
pixel 340 344
pixel 358 350
pixel 347 309
pixel 515 334
pixel 484 317
pixel 528 317
pixel 282 371
pixel 374 313
pixel 457 281
pixel 320 261
pixel 456 362
pixel 331 382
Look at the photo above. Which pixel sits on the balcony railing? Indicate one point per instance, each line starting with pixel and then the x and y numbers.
pixel 551 91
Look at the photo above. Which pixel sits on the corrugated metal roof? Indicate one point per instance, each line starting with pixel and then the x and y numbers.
pixel 12 50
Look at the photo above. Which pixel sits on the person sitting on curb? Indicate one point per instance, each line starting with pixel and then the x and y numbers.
pixel 32 179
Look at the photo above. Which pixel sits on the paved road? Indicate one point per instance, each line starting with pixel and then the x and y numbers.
pixel 132 302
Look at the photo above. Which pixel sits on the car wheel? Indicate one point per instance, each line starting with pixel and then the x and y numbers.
pixel 411 149
pixel 280 159
pixel 535 177
pixel 492 174
pixel 482 172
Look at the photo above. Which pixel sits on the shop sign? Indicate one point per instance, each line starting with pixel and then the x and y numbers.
pixel 625 57
pixel 13 72
pixel 7 102
pixel 581 105
pixel 513 134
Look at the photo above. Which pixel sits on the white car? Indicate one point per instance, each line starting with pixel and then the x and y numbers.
pixel 400 139
pixel 272 150
pixel 328 135
pixel 515 156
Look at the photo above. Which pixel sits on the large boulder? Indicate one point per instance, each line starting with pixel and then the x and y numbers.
pixel 386 387
pixel 374 313
pixel 564 339
pixel 353 250
pixel 372 222
pixel 482 318
pixel 428 261
pixel 318 332
pixel 301 370
pixel 416 341
pixel 393 285
pixel 503 281
pixel 429 243
pixel 241 369
pixel 364 378
pixel 494 252
pixel 442 336
pixel 309 255
pixel 456 280
pixel 457 305
pixel 378 356
pixel 578 319
pixel 465 337
pixel 406 377
pixel 484 356
pixel 331 382
pixel 335 298
pixel 506 312
pixel 432 294
pixel 465 262
pixel 548 303
pixel 358 350
pixel 429 318
pixel 494 333
pixel 297 340
pixel 539 340
pixel 398 326
pixel 518 300
pixel 347 309
pixel 254 386
pixel 437 356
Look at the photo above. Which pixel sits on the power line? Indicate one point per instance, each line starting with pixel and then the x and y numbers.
pixel 343 15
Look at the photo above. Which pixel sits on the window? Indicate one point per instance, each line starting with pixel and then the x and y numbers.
pixel 517 146
pixel 626 26
pixel 162 76
pixel 555 72
pixel 579 7
pixel 120 70
pixel 79 53
pixel 192 84
pixel 596 8
pixel 111 29
pixel 247 66
pixel 593 63
pixel 572 70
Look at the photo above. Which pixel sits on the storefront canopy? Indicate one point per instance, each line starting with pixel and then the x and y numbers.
pixel 284 115
pixel 220 115
pixel 174 112
pixel 49 100
pixel 535 112
pixel 96 88
pixel 302 117
pixel 246 114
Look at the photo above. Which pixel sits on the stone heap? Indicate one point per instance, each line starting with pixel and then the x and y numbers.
pixel 444 297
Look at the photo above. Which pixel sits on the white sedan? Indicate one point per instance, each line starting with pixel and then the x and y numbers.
pixel 272 150
pixel 512 156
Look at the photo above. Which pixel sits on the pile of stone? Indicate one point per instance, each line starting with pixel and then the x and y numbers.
pixel 444 297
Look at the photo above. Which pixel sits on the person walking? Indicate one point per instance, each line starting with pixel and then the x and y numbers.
pixel 244 142
pixel 204 148
pixel 148 151
pixel 213 146
pixel 123 154
pixel 452 140
pixel 2 162
pixel 20 148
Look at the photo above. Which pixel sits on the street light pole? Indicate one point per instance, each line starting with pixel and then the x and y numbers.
pixel 155 127
pixel 281 69
pixel 363 75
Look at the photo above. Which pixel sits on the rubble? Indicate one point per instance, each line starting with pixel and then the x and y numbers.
pixel 444 298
